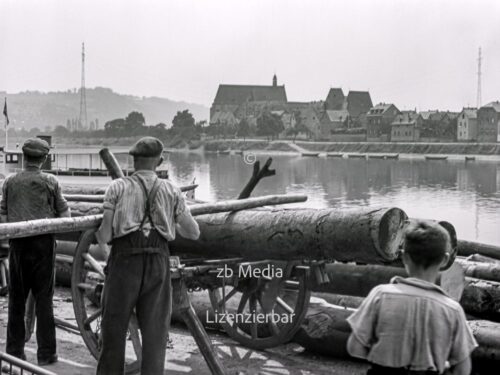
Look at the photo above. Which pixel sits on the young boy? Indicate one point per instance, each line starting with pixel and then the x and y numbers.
pixel 411 326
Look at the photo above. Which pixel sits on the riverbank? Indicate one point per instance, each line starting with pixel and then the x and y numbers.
pixel 452 151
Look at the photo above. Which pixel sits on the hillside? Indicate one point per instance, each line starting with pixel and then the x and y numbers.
pixel 36 109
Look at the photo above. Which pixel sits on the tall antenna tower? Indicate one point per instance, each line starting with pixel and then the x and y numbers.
pixel 82 119
pixel 479 60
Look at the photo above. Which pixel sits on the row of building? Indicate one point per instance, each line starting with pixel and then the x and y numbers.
pixel 353 116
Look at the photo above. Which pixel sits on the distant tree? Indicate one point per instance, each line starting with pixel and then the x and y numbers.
pixel 298 128
pixel 213 130
pixel 243 129
pixel 135 120
pixel 35 131
pixel 68 124
pixel 160 126
pixel 183 124
pixel 269 125
pixel 115 127
pixel 61 131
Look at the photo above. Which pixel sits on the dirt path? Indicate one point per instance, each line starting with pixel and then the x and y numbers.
pixel 184 357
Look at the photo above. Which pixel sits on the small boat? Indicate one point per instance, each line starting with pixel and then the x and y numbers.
pixel 470 158
pixel 224 152
pixel 314 154
pixel 436 157
pixel 335 155
pixel 356 156
pixel 376 156
pixel 238 152
pixel 391 156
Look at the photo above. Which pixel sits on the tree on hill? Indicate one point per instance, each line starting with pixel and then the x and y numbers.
pixel 269 125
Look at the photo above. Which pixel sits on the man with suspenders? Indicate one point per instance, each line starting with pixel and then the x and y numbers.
pixel 141 215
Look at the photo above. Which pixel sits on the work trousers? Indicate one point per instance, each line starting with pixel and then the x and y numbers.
pixel 31 268
pixel 137 276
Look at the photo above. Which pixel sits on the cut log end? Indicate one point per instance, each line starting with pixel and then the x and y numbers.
pixel 388 234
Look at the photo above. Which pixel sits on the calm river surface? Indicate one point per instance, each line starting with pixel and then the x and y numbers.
pixel 465 194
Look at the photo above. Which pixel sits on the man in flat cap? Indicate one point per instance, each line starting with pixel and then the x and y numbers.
pixel 141 215
pixel 29 195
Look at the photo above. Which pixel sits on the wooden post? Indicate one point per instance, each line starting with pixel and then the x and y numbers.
pixel 185 309
pixel 111 164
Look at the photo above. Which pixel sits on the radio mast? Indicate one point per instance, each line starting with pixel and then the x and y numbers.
pixel 82 119
pixel 479 60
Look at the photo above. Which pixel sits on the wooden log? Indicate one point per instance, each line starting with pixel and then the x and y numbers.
pixel 466 248
pixel 364 235
pixel 325 331
pixel 481 258
pixel 354 280
pixel 480 298
pixel 109 160
pixel 480 270
pixel 82 223
pixel 99 198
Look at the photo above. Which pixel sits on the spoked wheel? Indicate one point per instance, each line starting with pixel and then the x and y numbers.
pixel 263 312
pixel 87 283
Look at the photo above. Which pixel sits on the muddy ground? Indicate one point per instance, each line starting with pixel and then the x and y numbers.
pixel 184 357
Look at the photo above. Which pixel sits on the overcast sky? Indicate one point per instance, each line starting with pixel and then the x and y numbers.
pixel 414 53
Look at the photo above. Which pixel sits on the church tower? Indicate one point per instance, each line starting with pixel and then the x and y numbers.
pixel 275 81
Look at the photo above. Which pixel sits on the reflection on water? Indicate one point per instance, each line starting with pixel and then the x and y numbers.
pixel 467 195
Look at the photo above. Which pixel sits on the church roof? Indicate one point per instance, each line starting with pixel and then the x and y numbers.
pixel 239 94
pixel 335 99
pixel 358 102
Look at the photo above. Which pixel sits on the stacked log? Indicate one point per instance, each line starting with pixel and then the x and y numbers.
pixel 480 298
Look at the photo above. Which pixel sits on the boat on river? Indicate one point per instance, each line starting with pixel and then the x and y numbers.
pixel 436 157
pixel 335 155
pixel 313 154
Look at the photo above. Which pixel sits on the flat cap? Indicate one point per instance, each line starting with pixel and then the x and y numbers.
pixel 36 147
pixel 147 147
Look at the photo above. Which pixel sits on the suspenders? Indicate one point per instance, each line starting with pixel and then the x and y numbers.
pixel 149 199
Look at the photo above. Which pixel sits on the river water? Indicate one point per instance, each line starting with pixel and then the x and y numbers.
pixel 465 194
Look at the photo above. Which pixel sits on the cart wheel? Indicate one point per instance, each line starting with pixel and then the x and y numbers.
pixel 87 282
pixel 260 300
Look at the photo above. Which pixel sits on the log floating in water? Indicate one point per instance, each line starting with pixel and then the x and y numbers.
pixel 365 235
pixel 82 223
